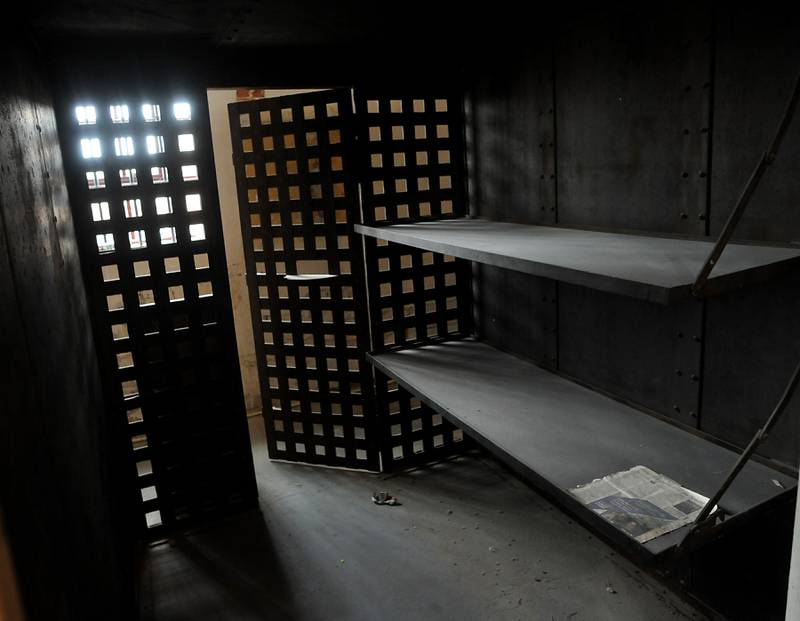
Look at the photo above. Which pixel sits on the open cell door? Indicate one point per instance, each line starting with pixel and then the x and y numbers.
pixel 308 169
pixel 298 201
pixel 413 169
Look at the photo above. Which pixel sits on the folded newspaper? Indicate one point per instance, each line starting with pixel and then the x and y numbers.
pixel 640 502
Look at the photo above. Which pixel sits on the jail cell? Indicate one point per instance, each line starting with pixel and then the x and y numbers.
pixel 144 201
pixel 298 202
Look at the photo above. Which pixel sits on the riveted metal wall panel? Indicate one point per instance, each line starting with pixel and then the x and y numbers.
pixel 752 335
pixel 512 138
pixel 632 100
pixel 757 61
pixel 632 109
pixel 517 313
pixel 512 146
pixel 752 345
pixel 640 352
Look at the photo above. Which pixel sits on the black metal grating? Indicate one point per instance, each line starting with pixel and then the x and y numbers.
pixel 413 169
pixel 416 296
pixel 298 202
pixel 412 432
pixel 144 200
pixel 412 157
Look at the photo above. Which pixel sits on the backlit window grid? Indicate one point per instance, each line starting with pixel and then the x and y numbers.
pixel 141 226
pixel 176 112
pixel 112 136
pixel 414 158
pixel 131 219
pixel 160 302
pixel 291 160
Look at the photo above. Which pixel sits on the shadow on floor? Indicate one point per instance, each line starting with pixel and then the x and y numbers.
pixel 229 570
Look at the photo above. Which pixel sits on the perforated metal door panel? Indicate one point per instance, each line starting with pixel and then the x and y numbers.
pixel 143 194
pixel 298 202
pixel 411 151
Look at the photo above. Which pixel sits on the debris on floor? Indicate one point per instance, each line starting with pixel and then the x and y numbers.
pixel 384 498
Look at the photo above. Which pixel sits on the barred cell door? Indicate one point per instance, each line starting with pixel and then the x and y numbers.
pixel 144 201
pixel 412 169
pixel 298 199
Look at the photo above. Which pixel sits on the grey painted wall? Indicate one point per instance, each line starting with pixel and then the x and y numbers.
pixel 54 479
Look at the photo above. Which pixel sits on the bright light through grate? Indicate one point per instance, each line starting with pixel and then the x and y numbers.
pixel 151 113
pixel 86 115
pixel 90 148
pixel 163 205
pixel 193 202
pixel 185 142
pixel 182 111
pixel 119 114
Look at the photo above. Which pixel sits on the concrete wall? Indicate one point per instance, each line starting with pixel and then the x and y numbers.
pixel 54 482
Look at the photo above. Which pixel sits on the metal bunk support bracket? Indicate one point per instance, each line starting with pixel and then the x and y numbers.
pixel 749 189
pixel 702 519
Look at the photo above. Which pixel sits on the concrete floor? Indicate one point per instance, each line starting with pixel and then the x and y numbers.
pixel 469 542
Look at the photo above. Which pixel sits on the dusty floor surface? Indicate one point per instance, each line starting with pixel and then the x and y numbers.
pixel 468 542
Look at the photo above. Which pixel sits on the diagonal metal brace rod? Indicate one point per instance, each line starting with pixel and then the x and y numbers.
pixel 749 189
pixel 759 437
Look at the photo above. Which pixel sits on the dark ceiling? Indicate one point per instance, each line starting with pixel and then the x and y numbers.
pixel 254 22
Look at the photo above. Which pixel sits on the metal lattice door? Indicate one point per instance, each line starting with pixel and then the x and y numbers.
pixel 298 203
pixel 144 200
pixel 412 157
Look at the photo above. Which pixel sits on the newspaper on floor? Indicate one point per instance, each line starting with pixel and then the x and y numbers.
pixel 640 502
